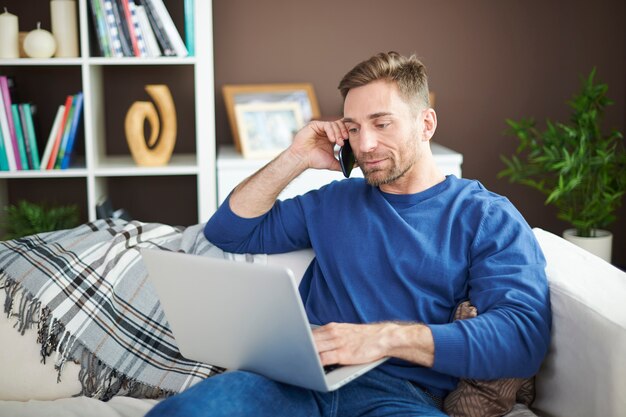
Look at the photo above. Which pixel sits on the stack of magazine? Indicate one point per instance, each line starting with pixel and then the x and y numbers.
pixel 137 28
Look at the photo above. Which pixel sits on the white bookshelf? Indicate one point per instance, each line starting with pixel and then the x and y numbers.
pixel 97 167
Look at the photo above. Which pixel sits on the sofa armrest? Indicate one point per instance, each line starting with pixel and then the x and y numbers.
pixel 584 373
pixel 297 261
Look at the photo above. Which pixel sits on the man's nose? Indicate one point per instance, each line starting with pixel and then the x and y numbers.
pixel 367 140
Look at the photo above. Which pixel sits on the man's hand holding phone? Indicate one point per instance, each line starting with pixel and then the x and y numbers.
pixel 315 144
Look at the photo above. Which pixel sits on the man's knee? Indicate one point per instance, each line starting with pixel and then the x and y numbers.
pixel 235 393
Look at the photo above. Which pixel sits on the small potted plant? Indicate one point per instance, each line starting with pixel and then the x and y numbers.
pixel 581 170
pixel 26 218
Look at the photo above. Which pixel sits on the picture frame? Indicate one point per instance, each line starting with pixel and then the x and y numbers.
pixel 266 129
pixel 250 106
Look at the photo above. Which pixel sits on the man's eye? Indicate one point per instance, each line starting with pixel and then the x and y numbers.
pixel 383 125
pixel 353 131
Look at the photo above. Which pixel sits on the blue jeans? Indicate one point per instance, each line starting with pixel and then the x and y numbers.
pixel 240 393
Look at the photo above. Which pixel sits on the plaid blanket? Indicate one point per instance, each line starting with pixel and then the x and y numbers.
pixel 86 290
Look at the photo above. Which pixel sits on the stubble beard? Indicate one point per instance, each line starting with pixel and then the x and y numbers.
pixel 393 174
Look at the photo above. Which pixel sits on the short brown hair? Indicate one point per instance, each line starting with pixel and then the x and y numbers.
pixel 407 72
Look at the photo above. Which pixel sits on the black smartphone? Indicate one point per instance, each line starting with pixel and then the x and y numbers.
pixel 346 158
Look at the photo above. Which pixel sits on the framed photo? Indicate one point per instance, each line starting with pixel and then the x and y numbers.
pixel 264 117
pixel 266 129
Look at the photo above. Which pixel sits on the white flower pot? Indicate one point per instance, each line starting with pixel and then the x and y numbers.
pixel 600 245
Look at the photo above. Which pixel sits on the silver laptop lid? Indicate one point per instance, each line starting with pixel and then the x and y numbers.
pixel 236 315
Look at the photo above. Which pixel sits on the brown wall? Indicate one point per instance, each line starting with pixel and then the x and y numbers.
pixel 488 60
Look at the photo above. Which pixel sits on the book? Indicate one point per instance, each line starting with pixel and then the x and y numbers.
pixel 109 37
pixel 128 20
pixel 122 28
pixel 26 110
pixel 141 44
pixel 4 164
pixel 21 146
pixel 159 30
pixel 100 27
pixel 51 137
pixel 66 134
pixel 6 136
pixel 152 45
pixel 69 148
pixel 27 144
pixel 112 30
pixel 190 27
pixel 4 90
pixel 168 25
pixel 59 137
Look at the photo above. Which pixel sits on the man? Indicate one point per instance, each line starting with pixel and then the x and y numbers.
pixel 396 253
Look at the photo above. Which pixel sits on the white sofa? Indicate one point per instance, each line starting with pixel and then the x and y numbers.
pixel 584 374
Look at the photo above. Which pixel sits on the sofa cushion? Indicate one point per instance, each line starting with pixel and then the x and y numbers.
pixel 23 376
pixel 493 398
pixel 584 373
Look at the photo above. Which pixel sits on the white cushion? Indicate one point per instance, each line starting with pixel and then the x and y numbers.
pixel 78 407
pixel 584 373
pixel 22 375
pixel 297 261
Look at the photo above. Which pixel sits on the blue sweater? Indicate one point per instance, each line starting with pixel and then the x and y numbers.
pixel 414 258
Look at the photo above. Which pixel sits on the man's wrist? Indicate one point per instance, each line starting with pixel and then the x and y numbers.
pixel 410 341
pixel 294 156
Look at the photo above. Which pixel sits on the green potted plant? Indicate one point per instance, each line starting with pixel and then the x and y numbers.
pixel 581 170
pixel 26 218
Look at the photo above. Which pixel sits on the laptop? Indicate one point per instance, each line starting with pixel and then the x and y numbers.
pixel 242 316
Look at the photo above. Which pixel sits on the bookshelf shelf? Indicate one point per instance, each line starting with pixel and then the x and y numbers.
pixel 42 62
pixel 57 173
pixel 143 61
pixel 184 191
pixel 124 166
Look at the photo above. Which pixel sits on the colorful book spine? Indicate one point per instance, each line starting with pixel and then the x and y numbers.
pixel 59 137
pixel 170 29
pixel 100 27
pixel 6 136
pixel 159 30
pixel 114 35
pixel 69 148
pixel 152 45
pixel 56 125
pixel 190 27
pixel 4 90
pixel 27 110
pixel 109 36
pixel 128 20
pixel 4 163
pixel 27 145
pixel 122 28
pixel 141 43
pixel 66 135
pixel 21 146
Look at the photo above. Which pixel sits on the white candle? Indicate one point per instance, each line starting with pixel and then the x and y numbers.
pixel 9 35
pixel 39 43
pixel 64 27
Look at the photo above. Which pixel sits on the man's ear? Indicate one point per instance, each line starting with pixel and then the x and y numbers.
pixel 429 120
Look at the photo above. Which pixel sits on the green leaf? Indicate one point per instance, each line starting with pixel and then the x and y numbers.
pixel 581 170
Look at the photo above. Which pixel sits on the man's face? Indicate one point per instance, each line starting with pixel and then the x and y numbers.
pixel 384 132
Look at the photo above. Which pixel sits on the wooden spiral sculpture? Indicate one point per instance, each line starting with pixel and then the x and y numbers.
pixel 157 150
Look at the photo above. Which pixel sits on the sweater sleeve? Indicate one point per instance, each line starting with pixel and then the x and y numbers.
pixel 282 229
pixel 508 286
